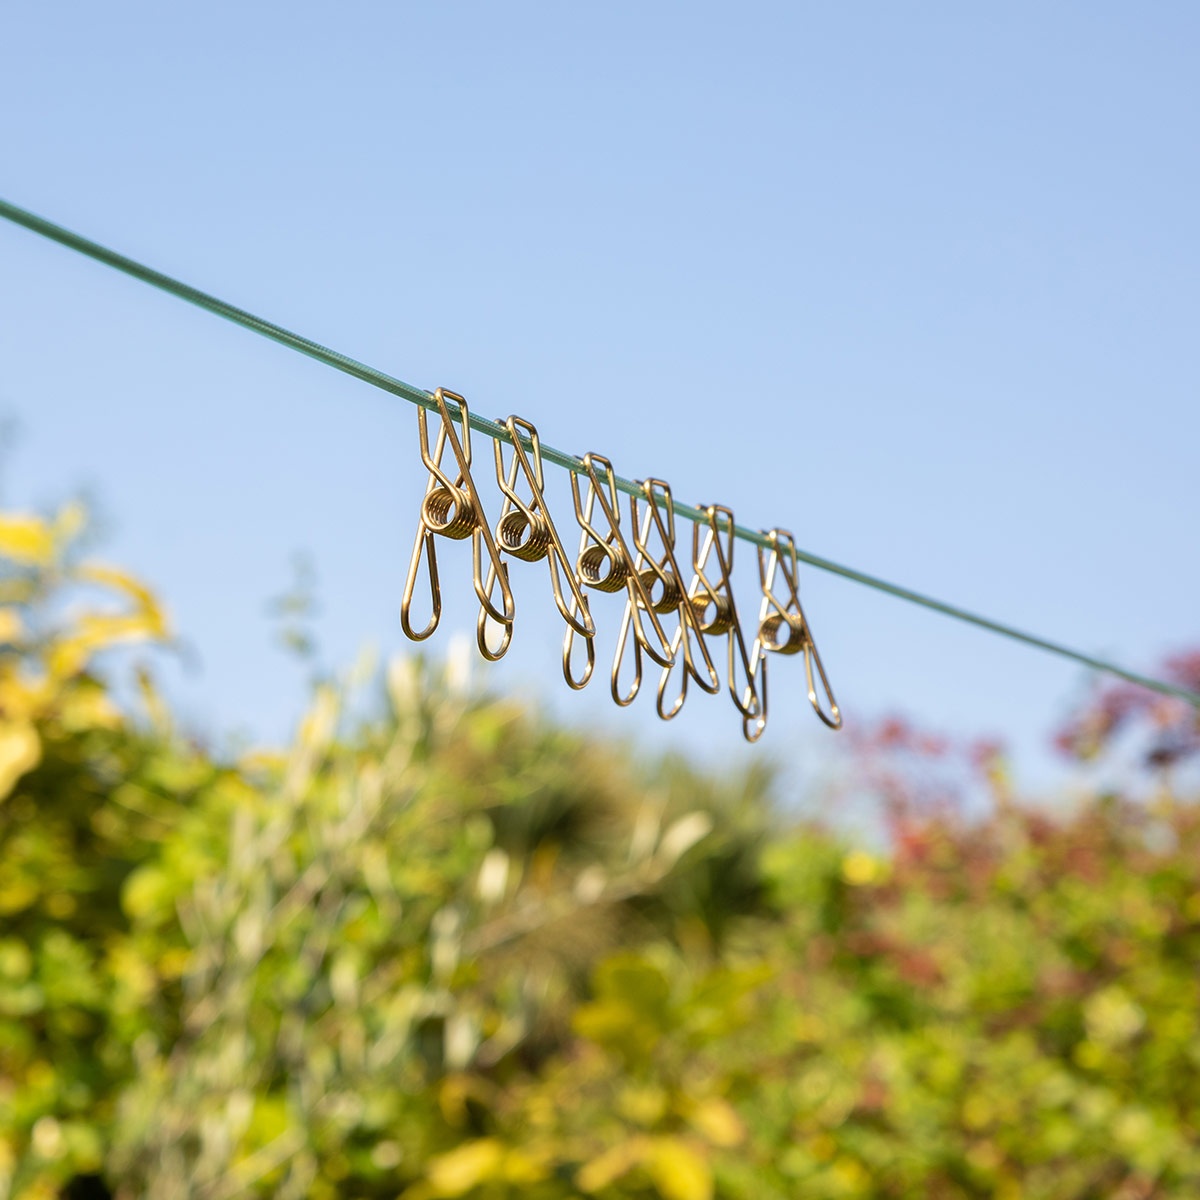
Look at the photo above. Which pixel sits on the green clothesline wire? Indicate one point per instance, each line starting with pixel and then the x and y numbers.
pixel 415 395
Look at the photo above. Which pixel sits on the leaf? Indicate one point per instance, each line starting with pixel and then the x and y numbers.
pixel 120 581
pixel 147 895
pixel 682 836
pixel 678 1171
pixel 16 962
pixel 1112 1017
pixel 26 539
pixel 12 629
pixel 20 751
pixel 635 982
pixel 457 1172
pixel 608 1167
pixel 631 1011
pixel 717 1120
pixel 98 631
pixel 88 707
pixel 861 869
pixel 524 1167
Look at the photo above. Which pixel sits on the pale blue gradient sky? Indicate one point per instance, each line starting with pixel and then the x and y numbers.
pixel 919 282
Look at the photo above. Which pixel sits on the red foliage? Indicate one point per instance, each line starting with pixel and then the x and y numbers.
pixel 1167 728
pixel 924 782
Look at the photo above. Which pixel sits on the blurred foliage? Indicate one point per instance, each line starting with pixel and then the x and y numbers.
pixel 1161 732
pixel 448 950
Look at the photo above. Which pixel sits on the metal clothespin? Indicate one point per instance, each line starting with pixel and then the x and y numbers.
pixel 784 629
pixel 451 509
pixel 715 613
pixel 526 531
pixel 605 563
pixel 661 577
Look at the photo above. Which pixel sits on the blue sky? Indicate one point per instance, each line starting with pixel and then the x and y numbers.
pixel 917 282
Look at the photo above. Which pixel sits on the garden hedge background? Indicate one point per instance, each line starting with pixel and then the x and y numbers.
pixel 438 947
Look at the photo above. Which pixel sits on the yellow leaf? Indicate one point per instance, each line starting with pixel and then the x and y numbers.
pixel 526 1166
pixel 18 698
pixel 88 707
pixel 122 581
pixel 98 631
pixel 11 626
pixel 458 1171
pixel 173 964
pixel 319 724
pixel 67 658
pixel 850 1174
pixel 716 1119
pixel 678 1171
pixel 643 1105
pixel 20 751
pixel 262 759
pixel 153 702
pixel 26 539
pixel 860 869
pixel 608 1167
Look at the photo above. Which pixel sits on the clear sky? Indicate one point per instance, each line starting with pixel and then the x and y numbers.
pixel 919 282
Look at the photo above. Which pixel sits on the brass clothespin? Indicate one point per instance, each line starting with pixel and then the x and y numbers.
pixel 604 563
pixel 526 531
pixel 704 595
pixel 784 629
pixel 452 509
pixel 660 571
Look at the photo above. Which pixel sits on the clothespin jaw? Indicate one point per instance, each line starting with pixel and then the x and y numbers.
pixel 451 508
pixel 783 627
pixel 753 727
pixel 526 530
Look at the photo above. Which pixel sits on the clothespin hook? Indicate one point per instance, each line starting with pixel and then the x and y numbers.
pixel 715 613
pixel 660 574
pixel 452 509
pixel 525 530
pixel 783 627
pixel 604 562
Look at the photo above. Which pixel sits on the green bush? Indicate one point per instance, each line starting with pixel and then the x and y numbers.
pixel 447 949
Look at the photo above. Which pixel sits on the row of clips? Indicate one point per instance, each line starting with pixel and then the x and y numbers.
pixel 644 565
